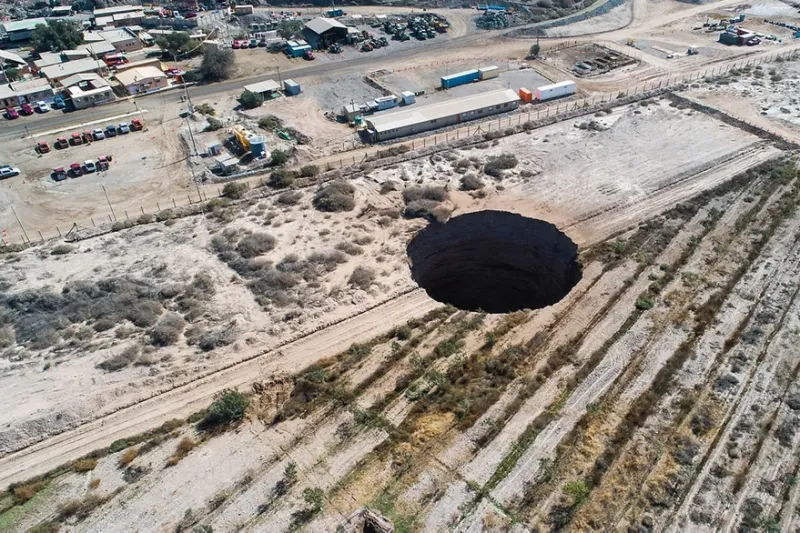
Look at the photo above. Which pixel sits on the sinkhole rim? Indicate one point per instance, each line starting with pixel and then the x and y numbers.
pixel 494 261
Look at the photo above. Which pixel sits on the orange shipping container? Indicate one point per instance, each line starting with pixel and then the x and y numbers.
pixel 525 95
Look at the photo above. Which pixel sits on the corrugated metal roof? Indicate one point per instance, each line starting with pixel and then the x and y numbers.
pixel 11 56
pixel 320 25
pixel 408 117
pixel 263 86
pixel 118 9
pixel 22 25
pixel 100 47
pixel 69 68
pixel 95 80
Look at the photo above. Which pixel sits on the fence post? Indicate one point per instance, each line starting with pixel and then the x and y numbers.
pixel 40 235
pixel 142 208
pixel 59 232
pixel 93 224
pixel 126 214
pixel 159 207
pixel 176 205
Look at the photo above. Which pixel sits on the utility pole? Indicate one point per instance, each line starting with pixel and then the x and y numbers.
pixel 20 224
pixel 109 202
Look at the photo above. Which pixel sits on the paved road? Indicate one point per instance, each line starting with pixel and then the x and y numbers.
pixel 56 119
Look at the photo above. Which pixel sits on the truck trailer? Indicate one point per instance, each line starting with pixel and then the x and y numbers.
pixel 556 90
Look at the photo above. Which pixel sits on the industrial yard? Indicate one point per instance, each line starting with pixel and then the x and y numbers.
pixel 451 284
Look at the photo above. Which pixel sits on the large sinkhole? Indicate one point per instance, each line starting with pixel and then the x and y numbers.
pixel 494 261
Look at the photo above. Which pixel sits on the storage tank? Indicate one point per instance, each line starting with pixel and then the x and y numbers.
pixel 487 73
pixel 258 146
pixel 556 90
pixel 291 87
pixel 460 78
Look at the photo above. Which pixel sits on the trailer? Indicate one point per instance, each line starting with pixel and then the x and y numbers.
pixel 291 87
pixel 556 90
pixel 460 78
pixel 487 73
pixel 385 102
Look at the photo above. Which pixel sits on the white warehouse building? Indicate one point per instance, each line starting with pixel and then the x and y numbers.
pixel 415 120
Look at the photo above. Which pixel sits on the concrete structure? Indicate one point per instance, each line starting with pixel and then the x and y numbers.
pixel 62 11
pixel 322 32
pixel 56 73
pixel 265 88
pixel 432 116
pixel 20 30
pixel 123 39
pixel 244 9
pixel 142 79
pixel 17 93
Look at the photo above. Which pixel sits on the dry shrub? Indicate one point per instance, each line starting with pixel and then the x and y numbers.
pixel 255 244
pixel 23 493
pixel 81 509
pixel 413 194
pixel 335 197
pixel 121 360
pixel 471 182
pixel 309 171
pixel 363 240
pixel 350 248
pixel 362 277
pixel 61 249
pixel 186 445
pixel 94 483
pixel 128 456
pixel 168 330
pixel 234 190
pixel 290 198
pixel 421 209
pixel 495 165
pixel 84 465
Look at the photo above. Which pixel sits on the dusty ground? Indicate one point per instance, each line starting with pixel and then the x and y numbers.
pixel 659 394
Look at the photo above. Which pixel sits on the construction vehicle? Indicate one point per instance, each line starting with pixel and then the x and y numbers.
pixel 383 41
pixel 366 47
pixel 335 49
pixel 61 143
pixel 631 42
pixel 42 147
pixel 692 51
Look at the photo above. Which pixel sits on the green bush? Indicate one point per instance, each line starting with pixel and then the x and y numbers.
pixel 309 171
pixel 471 182
pixel 234 190
pixel 251 100
pixel 643 303
pixel 229 406
pixel 280 179
pixel 279 157
pixel 213 124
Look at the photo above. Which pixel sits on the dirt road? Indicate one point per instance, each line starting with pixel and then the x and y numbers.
pixel 186 399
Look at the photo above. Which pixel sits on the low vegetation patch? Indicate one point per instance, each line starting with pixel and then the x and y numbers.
pixel 228 408
pixel 335 197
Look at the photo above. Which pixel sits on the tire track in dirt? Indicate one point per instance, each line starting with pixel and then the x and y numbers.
pixel 182 401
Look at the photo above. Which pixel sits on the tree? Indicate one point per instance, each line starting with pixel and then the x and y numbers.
pixel 12 74
pixel 217 64
pixel 279 157
pixel 174 43
pixel 229 406
pixel 251 100
pixel 314 498
pixel 56 35
pixel 535 49
pixel 290 29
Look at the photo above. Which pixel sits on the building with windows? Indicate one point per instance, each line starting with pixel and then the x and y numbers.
pixel 322 32
pixel 385 126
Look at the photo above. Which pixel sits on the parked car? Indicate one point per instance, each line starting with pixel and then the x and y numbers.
pixel 124 128
pixel 26 109
pixel 76 170
pixel 6 171
pixel 12 113
pixel 42 106
pixel 89 166
pixel 42 147
pixel 76 139
pixel 111 131
pixel 59 174
pixel 61 143
pixel 98 134
pixel 136 124
pixel 308 55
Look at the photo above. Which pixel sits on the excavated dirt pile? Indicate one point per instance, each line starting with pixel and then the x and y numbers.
pixel 494 261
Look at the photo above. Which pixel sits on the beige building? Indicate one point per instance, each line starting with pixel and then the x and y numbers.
pixel 87 90
pixel 123 39
pixel 140 80
pixel 56 73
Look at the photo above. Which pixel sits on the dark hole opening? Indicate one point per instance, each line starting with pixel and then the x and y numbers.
pixel 494 261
